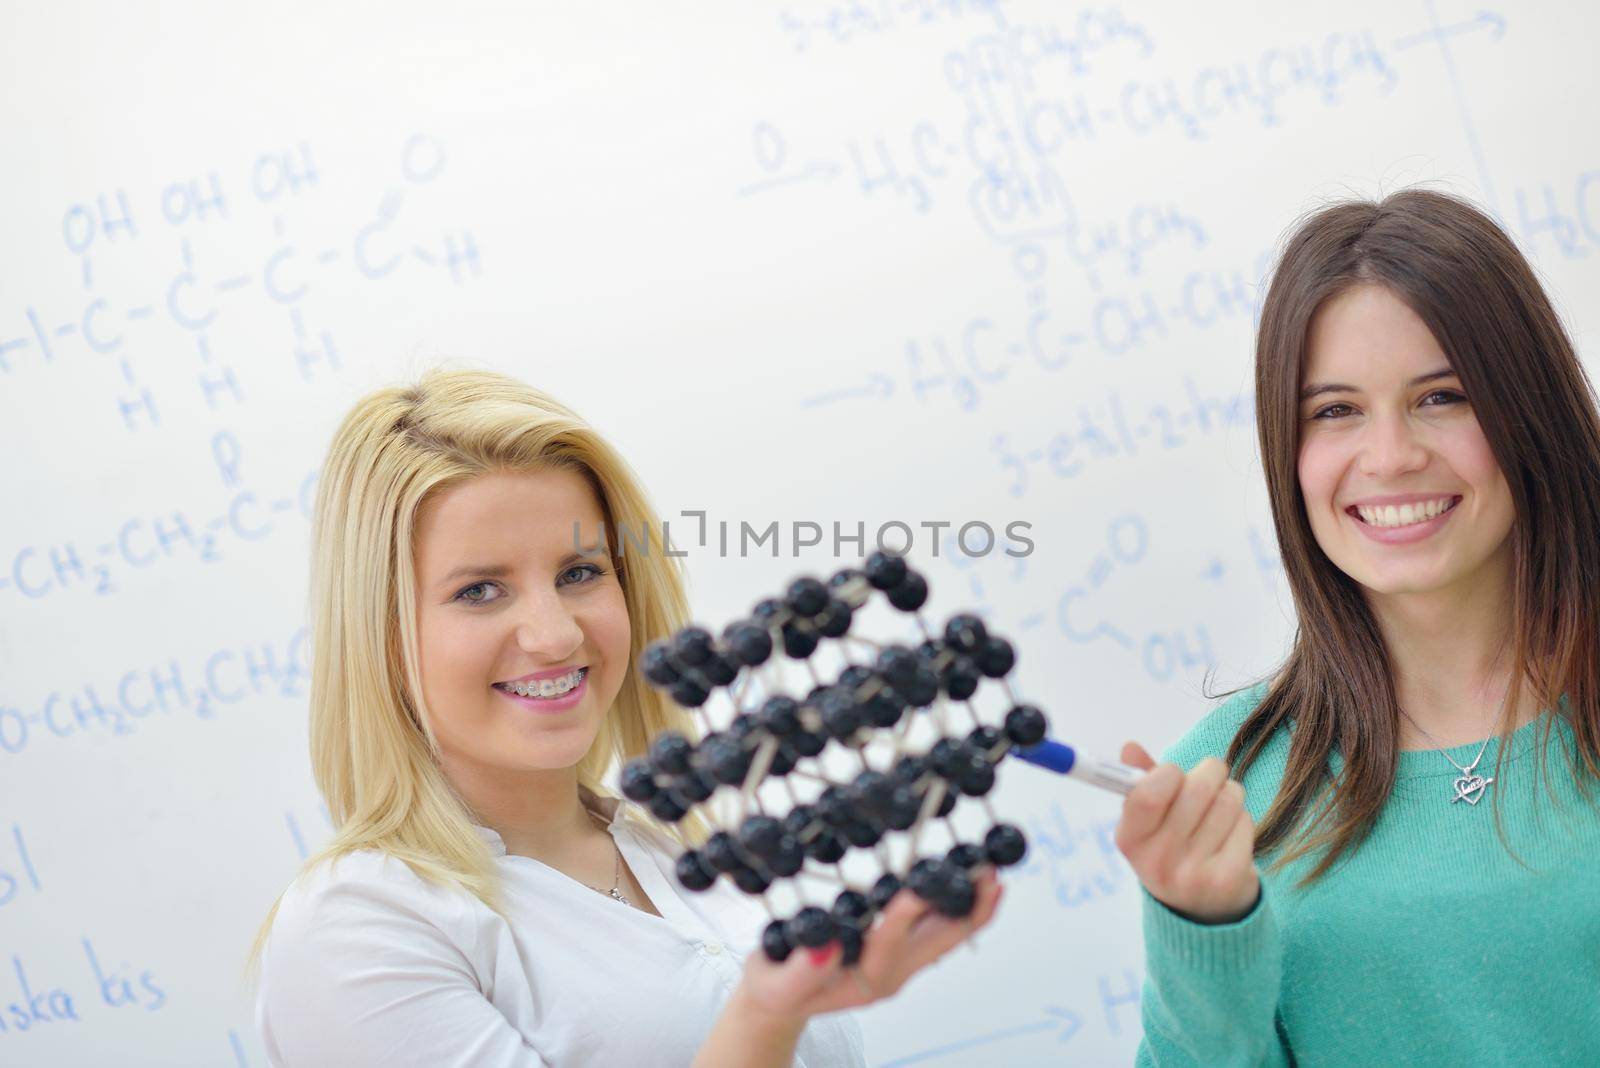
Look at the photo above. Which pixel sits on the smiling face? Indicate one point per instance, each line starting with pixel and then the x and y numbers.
pixel 523 641
pixel 1392 445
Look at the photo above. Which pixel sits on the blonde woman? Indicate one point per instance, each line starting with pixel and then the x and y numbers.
pixel 484 901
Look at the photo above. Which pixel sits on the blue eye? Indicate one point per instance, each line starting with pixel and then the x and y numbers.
pixel 474 594
pixel 593 571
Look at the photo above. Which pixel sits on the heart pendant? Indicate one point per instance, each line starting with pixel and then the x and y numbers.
pixel 1469 788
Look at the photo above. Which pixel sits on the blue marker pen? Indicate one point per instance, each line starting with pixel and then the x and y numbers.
pixel 1064 760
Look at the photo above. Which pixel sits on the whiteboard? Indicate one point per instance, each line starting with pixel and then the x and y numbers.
pixel 806 262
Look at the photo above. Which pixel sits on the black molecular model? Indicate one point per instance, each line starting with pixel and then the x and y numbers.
pixel 863 722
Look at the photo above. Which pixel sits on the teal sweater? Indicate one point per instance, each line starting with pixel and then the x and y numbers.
pixel 1428 946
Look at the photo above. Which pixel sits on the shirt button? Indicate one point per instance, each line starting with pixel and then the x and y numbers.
pixel 713 948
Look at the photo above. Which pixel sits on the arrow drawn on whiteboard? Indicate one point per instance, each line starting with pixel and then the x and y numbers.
pixel 882 385
pixel 1495 23
pixel 1065 1019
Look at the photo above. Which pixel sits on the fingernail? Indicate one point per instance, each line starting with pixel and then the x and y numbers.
pixel 822 954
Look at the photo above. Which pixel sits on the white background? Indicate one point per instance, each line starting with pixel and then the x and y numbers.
pixel 806 261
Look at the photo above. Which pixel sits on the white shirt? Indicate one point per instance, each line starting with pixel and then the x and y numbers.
pixel 369 964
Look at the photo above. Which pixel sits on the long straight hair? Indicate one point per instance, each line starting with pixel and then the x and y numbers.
pixel 1463 277
pixel 373 751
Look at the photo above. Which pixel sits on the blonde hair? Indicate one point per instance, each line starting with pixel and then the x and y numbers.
pixel 373 754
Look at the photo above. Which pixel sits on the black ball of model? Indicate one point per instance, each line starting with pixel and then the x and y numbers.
pixel 667 809
pixel 852 908
pixel 852 941
pixel 750 643
pixel 760 836
pixel 911 594
pixel 834 622
pixel 1005 844
pixel 960 678
pixel 775 942
pixel 694 873
pixel 1026 725
pixel 721 853
pixel 799 643
pixel 966 632
pixel 810 927
pixel 656 664
pixel 671 752
pixel 997 658
pixel 689 692
pixel 806 597
pixel 958 898
pixel 884 889
pixel 826 847
pixel 752 881
pixel 966 855
pixel 726 760
pixel 639 781
pixel 692 646
pixel 885 570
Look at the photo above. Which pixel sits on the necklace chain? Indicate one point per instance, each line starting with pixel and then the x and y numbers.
pixel 1469 787
pixel 615 893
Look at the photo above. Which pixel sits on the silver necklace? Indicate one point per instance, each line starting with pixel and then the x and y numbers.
pixel 1469 787
pixel 615 893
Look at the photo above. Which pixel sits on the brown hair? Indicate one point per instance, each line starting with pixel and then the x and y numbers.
pixel 1460 273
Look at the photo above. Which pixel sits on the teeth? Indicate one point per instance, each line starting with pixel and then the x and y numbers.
pixel 546 687
pixel 1405 514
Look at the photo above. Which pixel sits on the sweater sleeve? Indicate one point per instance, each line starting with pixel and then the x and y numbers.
pixel 1211 990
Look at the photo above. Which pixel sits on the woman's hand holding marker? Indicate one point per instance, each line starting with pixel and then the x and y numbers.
pixel 1190 839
